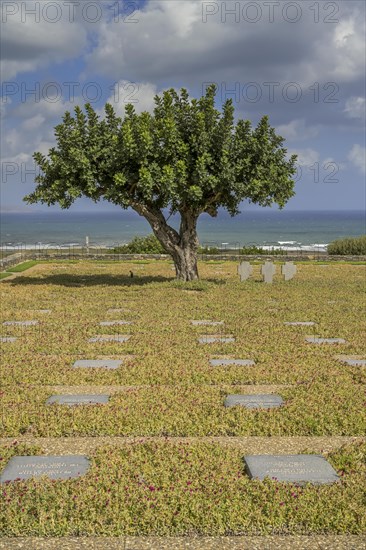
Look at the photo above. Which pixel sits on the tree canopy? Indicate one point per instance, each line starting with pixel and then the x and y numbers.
pixel 186 157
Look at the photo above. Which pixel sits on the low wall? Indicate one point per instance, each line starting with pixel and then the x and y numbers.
pixel 305 256
pixel 11 260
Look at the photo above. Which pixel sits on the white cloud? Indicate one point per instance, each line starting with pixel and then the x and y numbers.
pixel 297 130
pixel 357 156
pixel 32 41
pixel 305 157
pixel 140 94
pixel 356 107
pixel 33 122
pixel 329 161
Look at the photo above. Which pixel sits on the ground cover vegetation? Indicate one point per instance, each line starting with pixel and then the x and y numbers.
pixel 167 387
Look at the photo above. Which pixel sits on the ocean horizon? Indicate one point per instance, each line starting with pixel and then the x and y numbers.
pixel 291 230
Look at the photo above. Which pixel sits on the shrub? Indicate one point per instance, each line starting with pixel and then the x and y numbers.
pixel 141 245
pixel 208 250
pixel 249 250
pixel 353 246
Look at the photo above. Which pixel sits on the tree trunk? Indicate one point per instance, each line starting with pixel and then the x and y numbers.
pixel 185 258
pixel 185 261
pixel 181 246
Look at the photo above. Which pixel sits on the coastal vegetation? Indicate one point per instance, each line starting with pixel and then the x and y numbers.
pixel 352 246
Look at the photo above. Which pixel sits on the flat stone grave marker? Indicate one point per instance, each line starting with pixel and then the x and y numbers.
pixel 81 399
pixel 112 323
pixel 206 322
pixel 20 323
pixel 289 270
pixel 8 339
pixel 43 310
pixel 228 362
pixel 300 323
pixel 117 310
pixel 54 467
pixel 354 362
pixel 318 340
pixel 259 401
pixel 268 270
pixel 292 468
pixel 245 270
pixel 110 338
pixel 98 363
pixel 211 339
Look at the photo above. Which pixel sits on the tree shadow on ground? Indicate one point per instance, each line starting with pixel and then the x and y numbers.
pixel 75 281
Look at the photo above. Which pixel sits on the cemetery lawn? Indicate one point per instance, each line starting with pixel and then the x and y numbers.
pixel 166 387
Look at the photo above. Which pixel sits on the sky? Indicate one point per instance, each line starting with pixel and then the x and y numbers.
pixel 302 63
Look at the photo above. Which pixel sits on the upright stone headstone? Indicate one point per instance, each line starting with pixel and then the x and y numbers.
pixel 292 468
pixel 245 270
pixel 289 270
pixel 268 270
pixel 54 467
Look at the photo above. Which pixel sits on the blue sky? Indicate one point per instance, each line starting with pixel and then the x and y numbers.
pixel 302 63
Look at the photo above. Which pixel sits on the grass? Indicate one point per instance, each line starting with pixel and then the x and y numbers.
pixel 3 275
pixel 164 487
pixel 22 267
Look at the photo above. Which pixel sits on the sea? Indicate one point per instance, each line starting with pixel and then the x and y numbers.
pixel 289 230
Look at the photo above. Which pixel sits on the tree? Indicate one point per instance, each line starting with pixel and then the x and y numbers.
pixel 186 158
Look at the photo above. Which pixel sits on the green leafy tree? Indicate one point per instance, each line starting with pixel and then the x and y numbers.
pixel 186 158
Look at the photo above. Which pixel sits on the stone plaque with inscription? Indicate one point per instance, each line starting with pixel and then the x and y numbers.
pixel 8 339
pixel 110 338
pixel 293 468
pixel 20 323
pixel 317 340
pixel 355 362
pixel 98 363
pixel 300 323
pixel 54 467
pixel 207 339
pixel 229 362
pixel 80 399
pixel 207 322
pixel 254 401
pixel 113 323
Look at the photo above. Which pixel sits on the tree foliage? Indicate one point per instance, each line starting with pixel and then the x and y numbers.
pixel 187 158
